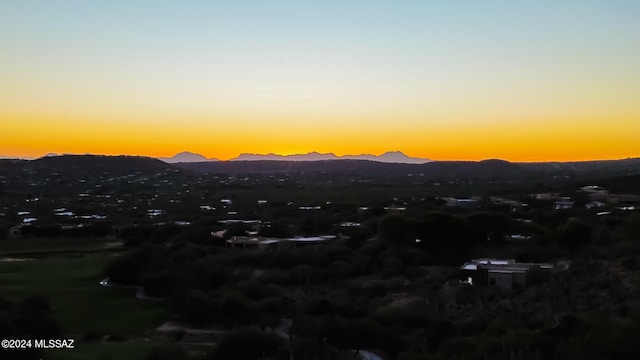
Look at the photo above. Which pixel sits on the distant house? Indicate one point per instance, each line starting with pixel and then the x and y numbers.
pixel 250 242
pixel 505 202
pixel 564 203
pixel 595 193
pixel 263 242
pixel 545 196
pixel 458 202
pixel 349 224
pixel 239 221
pixel 518 237
pixel 219 234
pixel 395 209
pixel 503 273
pixel 595 204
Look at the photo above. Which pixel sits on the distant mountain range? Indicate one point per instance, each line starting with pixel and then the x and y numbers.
pixel 82 166
pixel 185 156
pixel 388 157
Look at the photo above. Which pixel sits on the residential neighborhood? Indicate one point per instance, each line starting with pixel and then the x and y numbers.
pixel 317 263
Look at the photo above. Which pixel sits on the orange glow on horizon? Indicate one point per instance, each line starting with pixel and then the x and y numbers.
pixel 30 136
pixel 433 79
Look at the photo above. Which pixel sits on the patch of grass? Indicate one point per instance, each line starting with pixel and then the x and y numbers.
pixel 81 305
pixel 53 245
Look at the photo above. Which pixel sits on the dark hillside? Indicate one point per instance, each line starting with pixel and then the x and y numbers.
pixel 85 165
pixel 98 163
pixel 604 167
pixel 274 166
pixel 439 169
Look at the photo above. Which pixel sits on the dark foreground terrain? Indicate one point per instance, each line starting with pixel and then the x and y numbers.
pixel 134 258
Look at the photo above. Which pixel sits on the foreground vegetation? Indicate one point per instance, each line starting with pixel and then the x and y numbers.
pixel 387 286
pixel 401 298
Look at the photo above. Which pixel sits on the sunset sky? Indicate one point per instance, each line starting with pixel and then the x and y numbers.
pixel 448 80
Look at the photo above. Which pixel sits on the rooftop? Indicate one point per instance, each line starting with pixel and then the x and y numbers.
pixel 502 265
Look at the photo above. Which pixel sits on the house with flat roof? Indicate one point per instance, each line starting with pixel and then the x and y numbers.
pixel 263 242
pixel 595 193
pixel 563 204
pixel 461 202
pixel 503 273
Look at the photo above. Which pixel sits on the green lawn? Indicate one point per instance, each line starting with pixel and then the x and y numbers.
pixel 80 303
pixel 54 245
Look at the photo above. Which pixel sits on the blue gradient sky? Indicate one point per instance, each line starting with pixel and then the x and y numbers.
pixel 525 80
